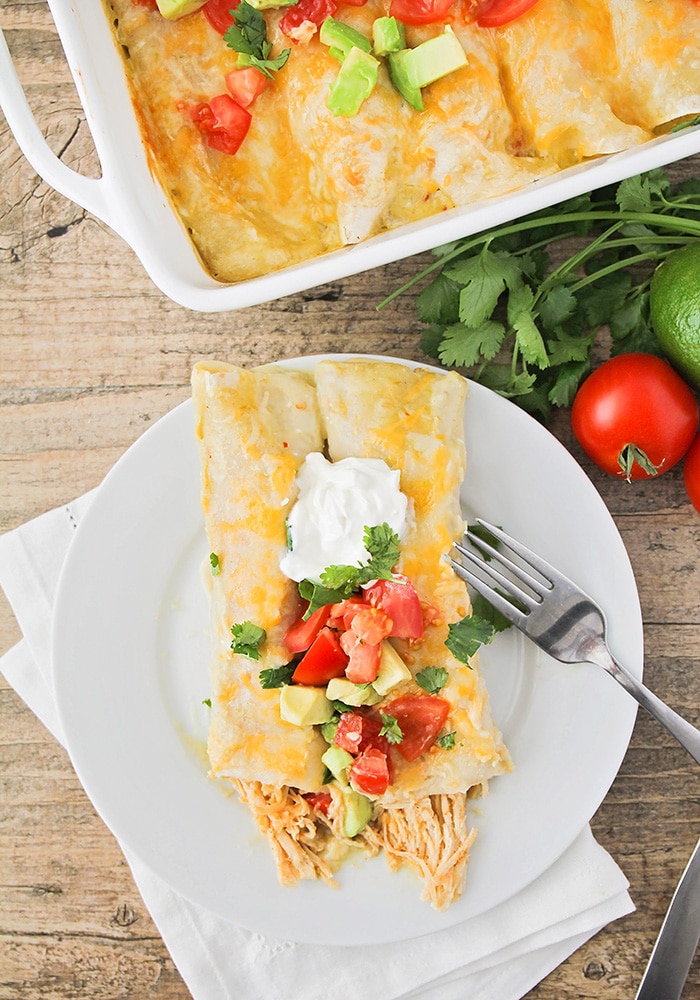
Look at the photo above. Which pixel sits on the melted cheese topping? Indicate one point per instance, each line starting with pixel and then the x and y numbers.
pixel 569 80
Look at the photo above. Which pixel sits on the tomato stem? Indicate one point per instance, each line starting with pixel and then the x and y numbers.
pixel 630 454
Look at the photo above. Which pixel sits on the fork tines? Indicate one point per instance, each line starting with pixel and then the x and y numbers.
pixel 500 590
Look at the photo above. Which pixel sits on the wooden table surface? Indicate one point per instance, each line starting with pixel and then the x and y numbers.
pixel 91 354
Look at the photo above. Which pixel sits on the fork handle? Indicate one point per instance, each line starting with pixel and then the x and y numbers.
pixel 688 736
pixel 672 955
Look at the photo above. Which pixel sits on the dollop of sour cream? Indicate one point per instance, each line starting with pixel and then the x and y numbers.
pixel 336 502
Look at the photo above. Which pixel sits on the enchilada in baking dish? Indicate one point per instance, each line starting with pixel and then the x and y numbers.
pixel 342 708
pixel 275 166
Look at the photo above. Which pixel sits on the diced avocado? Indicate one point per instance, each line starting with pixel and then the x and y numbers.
pixel 341 689
pixel 304 706
pixel 341 38
pixel 388 35
pixel 328 731
pixel 269 4
pixel 435 58
pixel 392 670
pixel 358 812
pixel 399 73
pixel 354 83
pixel 173 10
pixel 338 761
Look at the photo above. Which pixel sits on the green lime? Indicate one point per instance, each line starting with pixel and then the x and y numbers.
pixel 675 310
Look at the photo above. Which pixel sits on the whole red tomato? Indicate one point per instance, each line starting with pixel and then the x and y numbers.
pixel 691 473
pixel 635 416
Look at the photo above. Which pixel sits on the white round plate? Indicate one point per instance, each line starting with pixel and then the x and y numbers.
pixel 131 653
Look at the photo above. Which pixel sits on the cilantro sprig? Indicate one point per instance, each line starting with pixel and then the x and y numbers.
pixel 338 582
pixel 277 677
pixel 432 679
pixel 248 37
pixel 391 729
pixel 247 639
pixel 520 310
pixel 480 628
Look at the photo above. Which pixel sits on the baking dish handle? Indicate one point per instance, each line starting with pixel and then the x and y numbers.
pixel 87 192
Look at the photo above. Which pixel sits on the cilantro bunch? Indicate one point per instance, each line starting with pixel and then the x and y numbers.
pixel 519 309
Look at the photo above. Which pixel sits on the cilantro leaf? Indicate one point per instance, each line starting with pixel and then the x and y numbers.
pixel 248 37
pixel 247 639
pixel 384 549
pixel 439 301
pixel 391 729
pixel 340 579
pixel 317 595
pixel 482 609
pixel 432 679
pixel 466 636
pixel 447 740
pixel 214 563
pixel 276 677
pixel 465 346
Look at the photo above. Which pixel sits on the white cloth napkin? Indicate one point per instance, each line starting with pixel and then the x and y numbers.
pixel 499 955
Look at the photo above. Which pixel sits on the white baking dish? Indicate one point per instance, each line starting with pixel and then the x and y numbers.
pixel 128 199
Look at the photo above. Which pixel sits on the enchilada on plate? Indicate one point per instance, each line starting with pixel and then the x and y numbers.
pixel 343 708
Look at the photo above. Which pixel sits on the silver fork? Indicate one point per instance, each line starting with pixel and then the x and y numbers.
pixel 565 622
pixel 558 616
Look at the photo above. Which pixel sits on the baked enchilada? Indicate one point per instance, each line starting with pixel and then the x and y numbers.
pixel 283 131
pixel 344 709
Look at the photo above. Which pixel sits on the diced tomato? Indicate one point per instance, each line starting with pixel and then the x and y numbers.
pixel 364 657
pixel 497 12
pixel 246 84
pixel 371 625
pixel 399 599
pixel 369 773
pixel 356 733
pixel 323 660
pixel 315 11
pixel 321 801
pixel 419 11
pixel 343 613
pixel 224 123
pixel 301 634
pixel 218 14
pixel 420 718
pixel 361 3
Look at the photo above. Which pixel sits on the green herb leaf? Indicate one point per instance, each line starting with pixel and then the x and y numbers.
pixel 207 702
pixel 384 549
pixel 432 679
pixel 247 639
pixel 214 563
pixel 391 729
pixel 276 677
pixel 482 609
pixel 248 36
pixel 466 636
pixel 447 741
